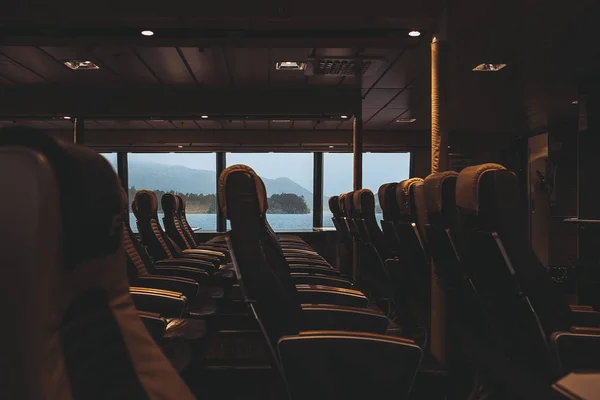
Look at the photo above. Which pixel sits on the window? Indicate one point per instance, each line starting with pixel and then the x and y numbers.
pixel 193 175
pixel 111 158
pixel 288 178
pixel 378 168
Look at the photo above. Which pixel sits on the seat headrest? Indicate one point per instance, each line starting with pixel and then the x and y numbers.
pixel 334 206
pixel 145 204
pixel 403 198
pixel 342 204
pixel 180 204
pixel 349 204
pixel 124 200
pixel 468 186
pixel 255 192
pixel 364 202
pixel 387 201
pixel 434 188
pixel 170 203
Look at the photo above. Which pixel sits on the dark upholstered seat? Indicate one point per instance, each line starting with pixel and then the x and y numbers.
pixel 74 332
pixel 314 363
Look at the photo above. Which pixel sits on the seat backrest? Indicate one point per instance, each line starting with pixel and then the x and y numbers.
pixel 74 332
pixel 264 275
pixel 181 216
pixel 170 205
pixel 411 239
pixel 391 215
pixel 145 209
pixel 364 206
pixel 514 285
pixel 440 201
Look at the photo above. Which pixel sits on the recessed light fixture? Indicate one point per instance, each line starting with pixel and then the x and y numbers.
pixel 331 147
pixel 343 116
pixel 405 120
pixel 414 33
pixel 147 33
pixel 281 121
pixel 66 117
pixel 575 102
pixel 204 116
pixel 77 65
pixel 181 147
pixel 486 67
pixel 290 66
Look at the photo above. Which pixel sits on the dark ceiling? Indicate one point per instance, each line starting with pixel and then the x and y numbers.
pixel 219 59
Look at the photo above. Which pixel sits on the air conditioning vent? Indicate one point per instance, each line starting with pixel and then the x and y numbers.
pixel 344 67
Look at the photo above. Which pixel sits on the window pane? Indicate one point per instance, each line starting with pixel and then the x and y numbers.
pixel 288 178
pixel 378 168
pixel 112 159
pixel 192 175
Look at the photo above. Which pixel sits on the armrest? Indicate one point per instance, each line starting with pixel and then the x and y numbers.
pixel 579 307
pixel 167 304
pixel 197 275
pixel 187 287
pixel 300 278
pixel 576 350
pixel 585 317
pixel 221 248
pixel 314 269
pixel 205 252
pixel 376 365
pixel 331 295
pixel 298 259
pixel 155 325
pixel 340 318
pixel 585 330
pixel 188 262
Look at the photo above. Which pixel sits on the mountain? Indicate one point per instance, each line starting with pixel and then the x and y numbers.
pixel 182 179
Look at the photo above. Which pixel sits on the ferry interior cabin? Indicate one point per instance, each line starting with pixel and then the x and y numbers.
pixel 300 200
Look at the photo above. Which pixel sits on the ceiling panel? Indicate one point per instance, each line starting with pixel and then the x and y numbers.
pixel 126 63
pixel 257 125
pixel 388 54
pixel 234 124
pixel 5 81
pixel 38 61
pixel 347 124
pixel 324 80
pixel 185 124
pixel 248 65
pixel 280 125
pixel 102 75
pixel 377 98
pixel 328 124
pixel 17 73
pixel 61 124
pixel 123 124
pixel 92 124
pixel 209 124
pixel 160 124
pixel 166 64
pixel 200 62
pixel 303 124
pixel 383 118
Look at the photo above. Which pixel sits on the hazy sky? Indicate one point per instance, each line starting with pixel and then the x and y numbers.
pixel 378 168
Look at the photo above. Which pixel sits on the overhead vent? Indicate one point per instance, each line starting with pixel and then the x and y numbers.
pixel 342 66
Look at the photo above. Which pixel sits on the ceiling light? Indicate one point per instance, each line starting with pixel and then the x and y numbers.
pixel 66 117
pixel 575 102
pixel 485 67
pixel 77 65
pixel 331 147
pixel 290 66
pixel 343 116
pixel 406 120
pixel 204 116
pixel 181 147
pixel 147 33
pixel 414 33
pixel 283 121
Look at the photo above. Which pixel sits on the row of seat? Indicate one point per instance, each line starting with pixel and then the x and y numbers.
pixel 501 300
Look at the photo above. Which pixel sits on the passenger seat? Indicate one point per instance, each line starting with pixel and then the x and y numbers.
pixel 74 331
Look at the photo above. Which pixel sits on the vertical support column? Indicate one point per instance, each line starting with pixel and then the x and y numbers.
pixel 439 163
pixel 588 190
pixel 221 165
pixel 357 149
pixel 79 131
pixel 318 190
